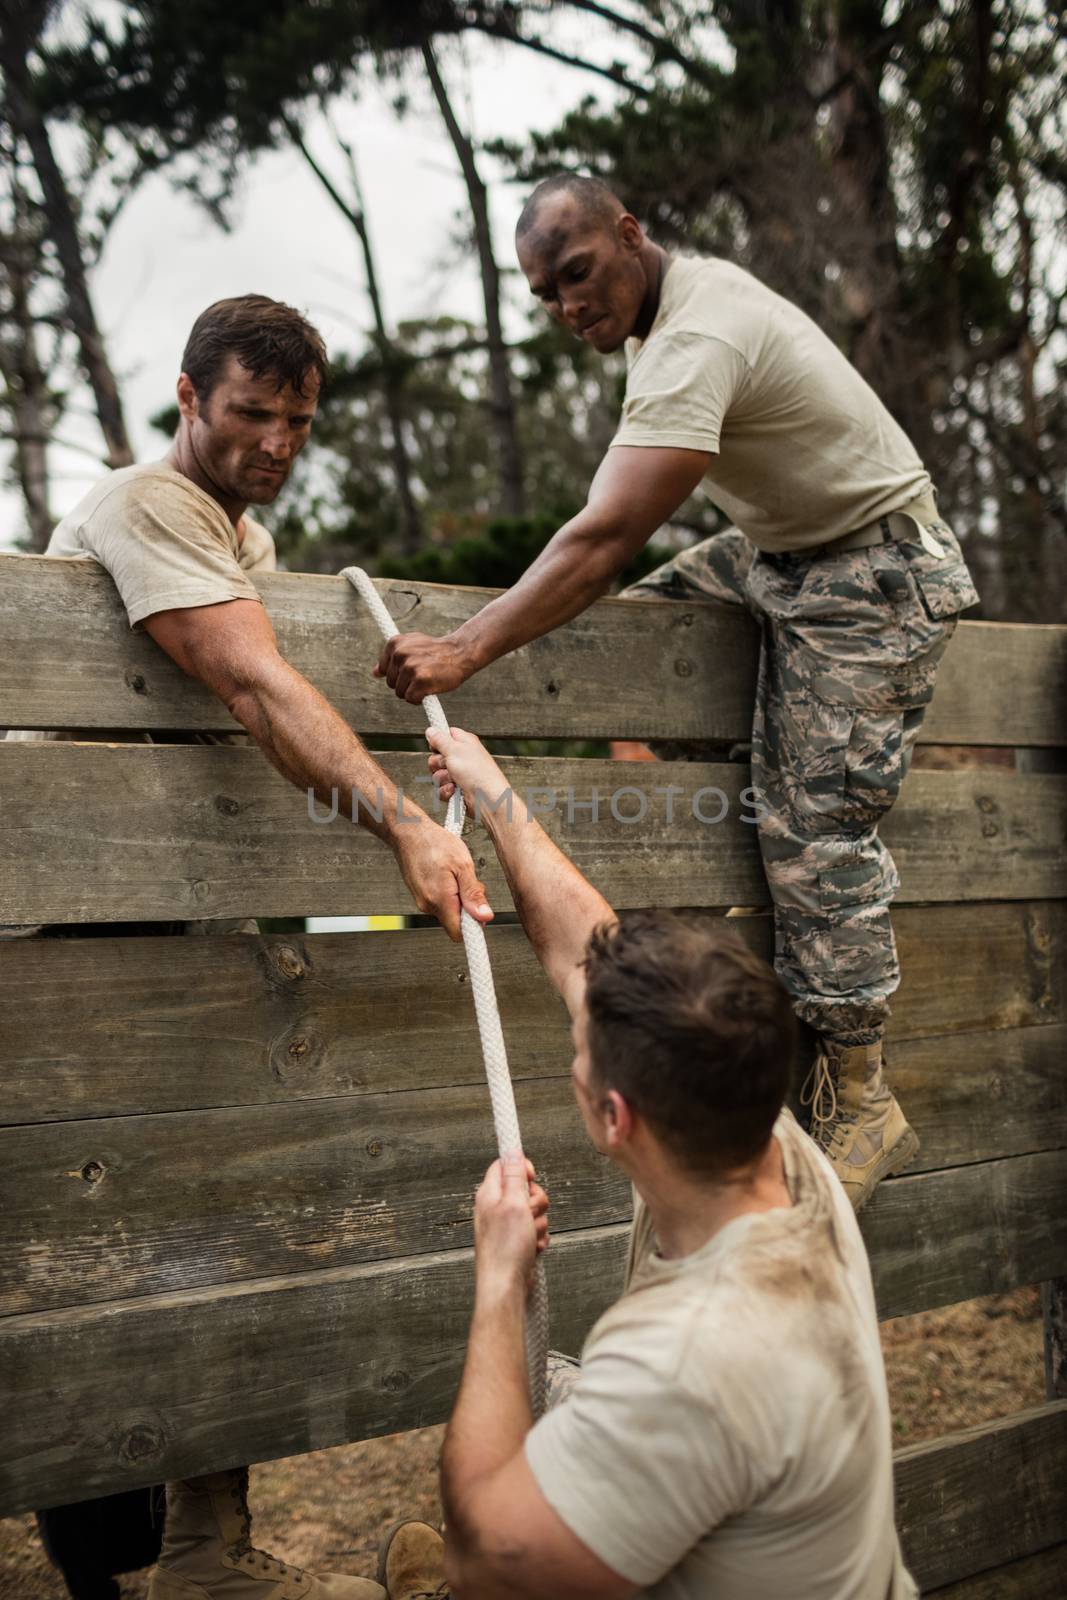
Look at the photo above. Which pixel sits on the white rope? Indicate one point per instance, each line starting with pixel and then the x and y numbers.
pixel 494 1053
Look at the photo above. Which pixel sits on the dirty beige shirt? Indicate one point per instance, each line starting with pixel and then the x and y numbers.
pixel 166 544
pixel 728 1436
pixel 804 451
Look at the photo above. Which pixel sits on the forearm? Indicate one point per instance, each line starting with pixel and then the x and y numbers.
pixel 491 1417
pixel 575 568
pixel 557 906
pixel 312 746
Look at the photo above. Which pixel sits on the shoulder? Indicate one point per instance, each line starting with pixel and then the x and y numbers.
pixel 258 553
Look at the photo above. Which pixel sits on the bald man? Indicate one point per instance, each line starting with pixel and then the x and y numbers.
pixel 837 548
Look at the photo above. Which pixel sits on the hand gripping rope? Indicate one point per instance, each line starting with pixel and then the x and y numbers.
pixel 494 1054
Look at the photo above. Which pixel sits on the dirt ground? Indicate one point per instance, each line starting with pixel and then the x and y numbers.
pixel 947 1370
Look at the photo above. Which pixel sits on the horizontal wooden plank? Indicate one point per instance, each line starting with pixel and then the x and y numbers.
pixel 134 1205
pixel 99 833
pixel 1040 1577
pixel 979 1096
pixel 625 669
pixel 111 1027
pixel 990 1495
pixel 138 1205
pixel 107 1397
pixel 935 1238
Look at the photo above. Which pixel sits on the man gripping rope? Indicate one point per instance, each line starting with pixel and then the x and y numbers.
pixel 838 551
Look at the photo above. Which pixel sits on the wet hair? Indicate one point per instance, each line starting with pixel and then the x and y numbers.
pixel 596 203
pixel 269 339
pixel 694 1030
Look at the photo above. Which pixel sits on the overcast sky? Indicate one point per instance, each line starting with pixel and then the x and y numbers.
pixel 165 260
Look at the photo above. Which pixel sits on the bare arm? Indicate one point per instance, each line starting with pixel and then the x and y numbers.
pixel 232 649
pixel 558 908
pixel 502 1535
pixel 636 490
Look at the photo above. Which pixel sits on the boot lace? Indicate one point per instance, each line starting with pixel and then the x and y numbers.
pixel 243 1549
pixel 819 1092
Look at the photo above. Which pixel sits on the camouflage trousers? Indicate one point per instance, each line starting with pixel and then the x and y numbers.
pixel 850 648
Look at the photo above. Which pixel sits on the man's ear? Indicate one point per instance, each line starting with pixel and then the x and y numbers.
pixel 618 1119
pixel 188 402
pixel 629 232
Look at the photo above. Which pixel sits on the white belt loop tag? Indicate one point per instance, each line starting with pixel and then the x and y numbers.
pixel 929 543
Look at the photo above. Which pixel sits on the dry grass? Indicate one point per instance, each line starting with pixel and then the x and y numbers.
pixel 947 1370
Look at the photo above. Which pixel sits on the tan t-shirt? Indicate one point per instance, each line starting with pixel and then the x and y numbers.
pixel 165 542
pixel 804 450
pixel 728 1435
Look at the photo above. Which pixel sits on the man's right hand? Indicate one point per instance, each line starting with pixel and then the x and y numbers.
pixel 461 761
pixel 440 874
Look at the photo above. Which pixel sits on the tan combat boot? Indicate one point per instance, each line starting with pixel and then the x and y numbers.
pixel 411 1563
pixel 208 1552
pixel 854 1117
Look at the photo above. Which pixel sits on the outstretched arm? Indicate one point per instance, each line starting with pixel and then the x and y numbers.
pixel 636 489
pixel 231 648
pixel 557 906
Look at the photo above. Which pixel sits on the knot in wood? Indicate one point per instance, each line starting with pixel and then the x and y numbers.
pixel 135 680
pixel 299 1046
pixel 225 804
pixel 93 1171
pixel 374 1147
pixel 394 1382
pixel 142 1444
pixel 683 668
pixel 288 962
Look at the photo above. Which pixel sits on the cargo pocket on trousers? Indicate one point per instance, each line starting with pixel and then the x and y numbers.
pixel 857 944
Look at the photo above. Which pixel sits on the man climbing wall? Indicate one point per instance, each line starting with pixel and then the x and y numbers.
pixel 838 550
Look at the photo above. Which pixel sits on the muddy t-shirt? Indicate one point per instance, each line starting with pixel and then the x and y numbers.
pixel 167 545
pixel 803 451
pixel 728 1437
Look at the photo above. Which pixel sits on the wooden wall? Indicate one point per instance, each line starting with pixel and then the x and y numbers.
pixel 237 1171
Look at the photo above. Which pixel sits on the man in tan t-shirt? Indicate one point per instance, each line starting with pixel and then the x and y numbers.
pixel 181 548
pixel 727 1436
pixel 838 549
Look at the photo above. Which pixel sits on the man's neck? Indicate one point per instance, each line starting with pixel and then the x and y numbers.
pixel 686 1213
pixel 655 261
pixel 182 458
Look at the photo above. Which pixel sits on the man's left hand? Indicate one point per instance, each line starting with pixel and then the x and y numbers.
pixel 510 1224
pixel 416 664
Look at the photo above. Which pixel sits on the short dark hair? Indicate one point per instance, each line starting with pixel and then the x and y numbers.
pixel 268 338
pixel 596 203
pixel 694 1030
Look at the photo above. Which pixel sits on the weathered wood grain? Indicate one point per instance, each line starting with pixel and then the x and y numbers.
pixel 991 1495
pixel 112 1026
pixel 625 669
pixel 128 1206
pixel 194 1380
pixel 104 1397
pixel 137 1205
pixel 938 1237
pixel 98 833
pixel 1040 1577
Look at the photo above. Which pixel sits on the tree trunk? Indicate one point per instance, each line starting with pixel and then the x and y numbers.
pixel 28 124
pixel 28 401
pixel 356 214
pixel 502 399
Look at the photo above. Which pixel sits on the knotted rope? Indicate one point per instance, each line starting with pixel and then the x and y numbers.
pixel 494 1053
